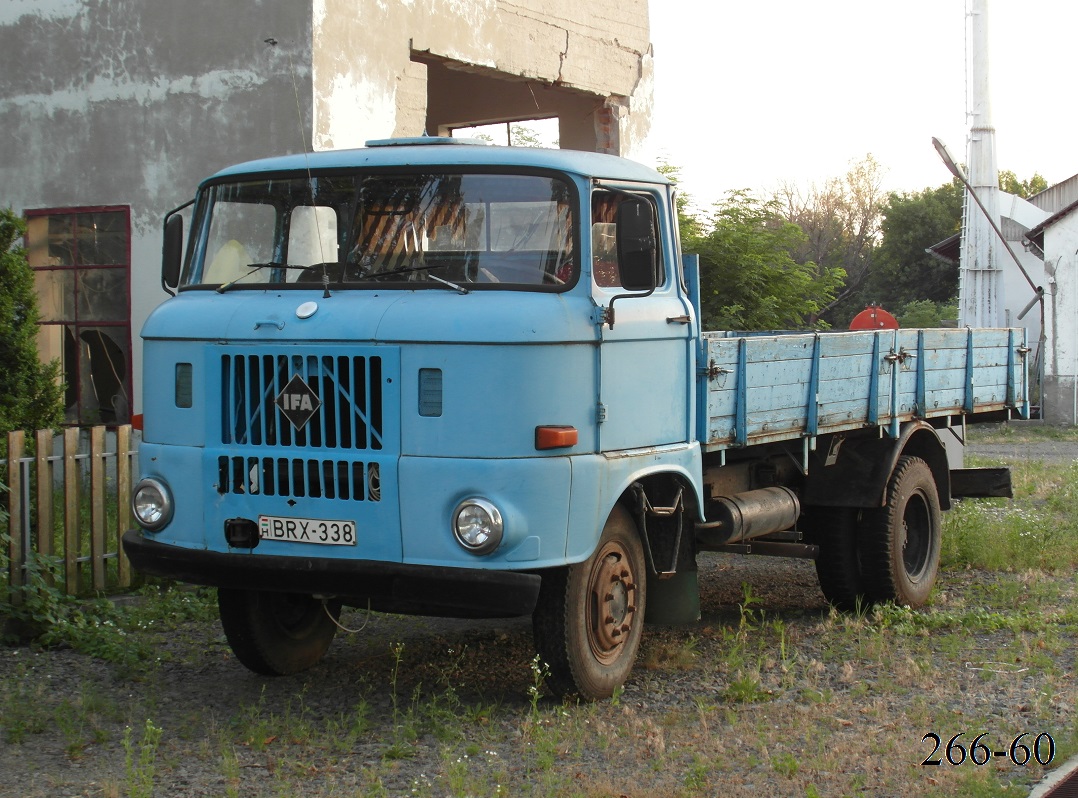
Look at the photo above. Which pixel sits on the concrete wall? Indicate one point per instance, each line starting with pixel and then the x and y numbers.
pixel 410 68
pixel 133 102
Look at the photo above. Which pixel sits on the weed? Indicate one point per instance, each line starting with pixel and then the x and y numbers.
pixel 20 701
pixel 696 776
pixel 540 672
pixel 347 728
pixel 785 764
pixel 140 760
pixel 745 688
pixel 53 618
pixel 230 770
pixel 749 616
pixel 256 725
pixel 76 724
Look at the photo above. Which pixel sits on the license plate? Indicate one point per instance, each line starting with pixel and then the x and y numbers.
pixel 307 530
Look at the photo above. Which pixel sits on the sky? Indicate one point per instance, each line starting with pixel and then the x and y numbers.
pixel 756 93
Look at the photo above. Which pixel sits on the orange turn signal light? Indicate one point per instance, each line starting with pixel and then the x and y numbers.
pixel 555 437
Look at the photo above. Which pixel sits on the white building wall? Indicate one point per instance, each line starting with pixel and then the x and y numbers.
pixel 1060 391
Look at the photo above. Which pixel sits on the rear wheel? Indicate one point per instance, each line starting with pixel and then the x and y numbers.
pixel 590 616
pixel 901 540
pixel 838 566
pixel 276 634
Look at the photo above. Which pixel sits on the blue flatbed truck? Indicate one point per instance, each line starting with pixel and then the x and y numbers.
pixel 439 378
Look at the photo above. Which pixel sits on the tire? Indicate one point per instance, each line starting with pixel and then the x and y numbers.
pixel 589 617
pixel 901 540
pixel 838 566
pixel 276 634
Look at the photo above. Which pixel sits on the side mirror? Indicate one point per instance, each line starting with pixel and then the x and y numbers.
pixel 637 244
pixel 172 252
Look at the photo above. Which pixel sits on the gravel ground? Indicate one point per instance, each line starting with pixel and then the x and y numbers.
pixel 1048 451
pixel 199 694
pixel 789 699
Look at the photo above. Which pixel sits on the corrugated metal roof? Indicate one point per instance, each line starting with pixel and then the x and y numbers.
pixel 1054 198
pixel 1036 235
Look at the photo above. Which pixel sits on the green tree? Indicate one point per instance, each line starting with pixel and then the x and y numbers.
pixel 748 279
pixel 841 221
pixel 904 271
pixel 689 223
pixel 31 394
pixel 521 135
pixel 924 313
pixel 1009 182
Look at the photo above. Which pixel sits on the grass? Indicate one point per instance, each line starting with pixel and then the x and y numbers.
pixel 1038 529
pixel 1020 433
pixel 753 700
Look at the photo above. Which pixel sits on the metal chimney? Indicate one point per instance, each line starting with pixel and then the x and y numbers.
pixel 980 300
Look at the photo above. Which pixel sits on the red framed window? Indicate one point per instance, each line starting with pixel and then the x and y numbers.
pixel 82 268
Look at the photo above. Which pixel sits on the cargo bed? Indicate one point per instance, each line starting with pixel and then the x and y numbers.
pixel 766 387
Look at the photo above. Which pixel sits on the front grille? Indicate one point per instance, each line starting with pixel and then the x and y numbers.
pixel 299 477
pixel 349 389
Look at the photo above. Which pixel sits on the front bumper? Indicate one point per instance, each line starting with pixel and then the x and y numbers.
pixel 381 586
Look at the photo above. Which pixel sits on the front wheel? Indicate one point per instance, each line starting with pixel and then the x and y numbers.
pixel 276 634
pixel 901 540
pixel 589 618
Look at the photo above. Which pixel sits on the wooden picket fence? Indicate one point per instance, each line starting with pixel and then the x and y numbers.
pixel 70 498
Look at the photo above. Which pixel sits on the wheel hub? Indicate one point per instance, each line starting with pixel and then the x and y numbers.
pixel 612 605
pixel 915 538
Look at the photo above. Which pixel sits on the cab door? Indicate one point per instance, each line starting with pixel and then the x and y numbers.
pixel 645 322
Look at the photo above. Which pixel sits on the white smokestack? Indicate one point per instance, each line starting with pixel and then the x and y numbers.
pixel 980 300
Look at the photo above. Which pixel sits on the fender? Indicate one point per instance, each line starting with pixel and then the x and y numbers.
pixel 601 481
pixel 853 471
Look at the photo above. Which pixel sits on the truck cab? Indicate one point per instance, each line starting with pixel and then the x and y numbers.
pixel 418 377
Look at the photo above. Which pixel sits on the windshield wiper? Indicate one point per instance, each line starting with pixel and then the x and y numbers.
pixel 417 268
pixel 254 267
pixel 460 289
pixel 402 270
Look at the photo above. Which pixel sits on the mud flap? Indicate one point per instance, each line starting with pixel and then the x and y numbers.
pixel 981 483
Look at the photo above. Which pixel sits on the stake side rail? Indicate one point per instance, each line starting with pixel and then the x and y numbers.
pixel 769 387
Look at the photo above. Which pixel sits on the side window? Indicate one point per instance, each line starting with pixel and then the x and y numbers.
pixel 607 270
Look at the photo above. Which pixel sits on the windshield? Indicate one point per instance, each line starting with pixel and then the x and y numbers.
pixel 371 230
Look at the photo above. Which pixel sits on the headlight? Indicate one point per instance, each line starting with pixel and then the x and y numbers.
pixel 477 525
pixel 152 504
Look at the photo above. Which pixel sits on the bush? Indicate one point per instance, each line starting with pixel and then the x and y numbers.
pixel 31 393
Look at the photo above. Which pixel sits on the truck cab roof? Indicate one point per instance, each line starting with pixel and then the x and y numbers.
pixel 443 152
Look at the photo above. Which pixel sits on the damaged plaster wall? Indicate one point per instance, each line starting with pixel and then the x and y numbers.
pixel 368 84
pixel 124 102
